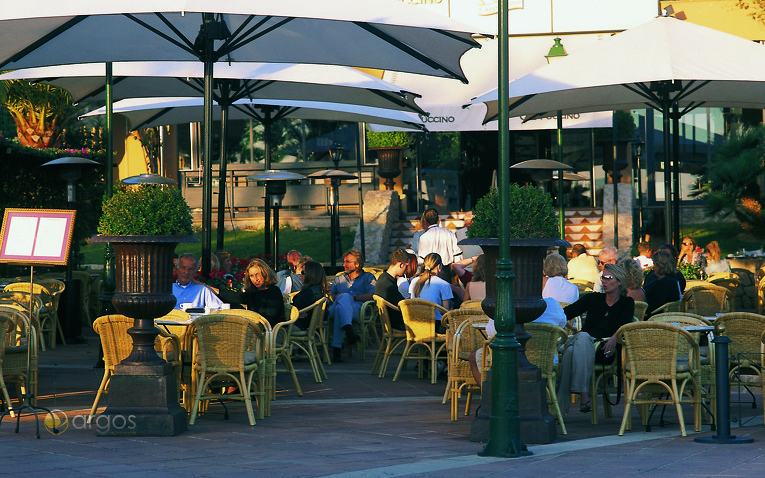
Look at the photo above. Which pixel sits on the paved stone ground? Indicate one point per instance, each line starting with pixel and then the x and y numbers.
pixel 355 425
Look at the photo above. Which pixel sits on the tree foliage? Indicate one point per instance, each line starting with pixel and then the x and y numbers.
pixel 731 183
pixel 39 112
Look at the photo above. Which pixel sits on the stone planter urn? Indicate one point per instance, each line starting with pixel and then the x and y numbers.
pixel 527 256
pixel 389 164
pixel 143 385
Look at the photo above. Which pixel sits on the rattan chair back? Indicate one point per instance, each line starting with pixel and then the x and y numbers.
pixel 640 308
pixel 420 323
pixel 652 360
pixel 390 338
pixel 707 300
pixel 582 285
pixel 542 351
pixel 472 303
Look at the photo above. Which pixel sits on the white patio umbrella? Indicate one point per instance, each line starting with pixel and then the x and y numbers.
pixel 234 81
pixel 148 112
pixel 374 34
pixel 666 64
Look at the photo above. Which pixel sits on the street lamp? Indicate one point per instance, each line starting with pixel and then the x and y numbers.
pixel 276 188
pixel 332 179
pixel 336 154
pixel 556 52
pixel 70 170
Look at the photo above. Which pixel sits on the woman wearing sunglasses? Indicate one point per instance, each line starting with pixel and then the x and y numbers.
pixel 606 312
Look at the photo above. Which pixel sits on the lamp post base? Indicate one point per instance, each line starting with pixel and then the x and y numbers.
pixel 133 412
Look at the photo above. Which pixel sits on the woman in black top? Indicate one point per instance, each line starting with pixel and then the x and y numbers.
pixel 606 312
pixel 661 285
pixel 314 288
pixel 259 292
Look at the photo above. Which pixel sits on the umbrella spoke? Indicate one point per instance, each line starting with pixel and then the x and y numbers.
pixel 45 39
pixel 184 45
pixel 235 41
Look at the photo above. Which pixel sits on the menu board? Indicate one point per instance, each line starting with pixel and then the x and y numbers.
pixel 36 236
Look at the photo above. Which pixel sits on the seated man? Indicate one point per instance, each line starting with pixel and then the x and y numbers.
pixel 187 291
pixel 349 291
pixel 387 287
pixel 288 280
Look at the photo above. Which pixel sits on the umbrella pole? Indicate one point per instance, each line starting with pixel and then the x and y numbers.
pixel 676 172
pixel 222 175
pixel 667 174
pixel 207 138
pixel 110 283
pixel 561 210
pixel 267 160
pixel 361 151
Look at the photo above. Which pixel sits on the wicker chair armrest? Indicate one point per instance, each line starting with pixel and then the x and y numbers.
pixel 387 304
pixel 368 311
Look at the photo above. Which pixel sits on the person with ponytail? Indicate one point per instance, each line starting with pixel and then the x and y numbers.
pixel 428 285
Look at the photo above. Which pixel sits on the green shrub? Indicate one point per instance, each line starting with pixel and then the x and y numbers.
pixel 398 139
pixel 146 209
pixel 531 214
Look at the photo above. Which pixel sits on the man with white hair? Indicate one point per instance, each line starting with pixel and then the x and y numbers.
pixel 608 255
pixel 187 291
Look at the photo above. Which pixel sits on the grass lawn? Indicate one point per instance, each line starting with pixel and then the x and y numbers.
pixel 314 242
pixel 730 236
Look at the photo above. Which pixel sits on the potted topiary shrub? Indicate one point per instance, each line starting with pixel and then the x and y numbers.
pixel 388 146
pixel 533 228
pixel 144 223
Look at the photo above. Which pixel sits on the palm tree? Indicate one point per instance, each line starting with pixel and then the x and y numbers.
pixel 39 112
pixel 731 184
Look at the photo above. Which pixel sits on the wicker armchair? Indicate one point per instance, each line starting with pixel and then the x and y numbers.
pixel 583 285
pixel 420 322
pixel 640 308
pixel 674 306
pixel 21 301
pixel 367 327
pixel 542 350
pixel 15 344
pixel 308 340
pixel 472 303
pixel 48 314
pixel 391 338
pixel 269 371
pixel 228 350
pixel 707 300
pixel 745 330
pixel 729 280
pixel 654 367
pixel 117 345
pixel 461 339
pixel 706 352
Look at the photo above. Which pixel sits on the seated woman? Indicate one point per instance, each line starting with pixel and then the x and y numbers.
pixel 554 283
pixel 259 292
pixel 428 285
pixel 476 288
pixel 606 312
pixel 690 255
pixel 634 278
pixel 715 261
pixel 314 288
pixel 661 285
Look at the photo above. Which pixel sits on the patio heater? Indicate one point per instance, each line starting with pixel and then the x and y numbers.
pixel 149 179
pixel 332 179
pixel 276 188
pixel 556 52
pixel 70 170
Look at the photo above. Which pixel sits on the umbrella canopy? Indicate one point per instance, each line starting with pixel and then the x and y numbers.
pixel 374 34
pixel 234 81
pixel 666 64
pixel 662 61
pixel 148 112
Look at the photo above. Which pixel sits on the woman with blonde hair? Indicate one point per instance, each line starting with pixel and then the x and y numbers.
pixel 554 283
pixel 634 278
pixel 259 292
pixel 428 285
pixel 715 261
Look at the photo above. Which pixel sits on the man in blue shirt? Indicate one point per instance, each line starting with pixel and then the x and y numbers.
pixel 349 291
pixel 186 291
